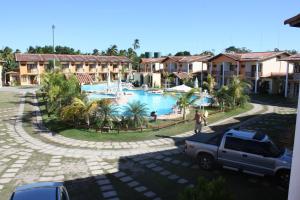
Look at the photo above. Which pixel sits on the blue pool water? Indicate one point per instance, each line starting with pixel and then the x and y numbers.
pixel 98 87
pixel 161 104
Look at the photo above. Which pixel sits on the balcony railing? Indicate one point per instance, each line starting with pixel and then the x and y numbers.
pixel 296 76
pixel 228 73
pixel 104 70
pixel 66 70
pixel 93 70
pixel 252 74
pixel 32 71
pixel 116 70
pixel 79 70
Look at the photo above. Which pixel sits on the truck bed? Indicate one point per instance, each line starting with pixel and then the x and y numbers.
pixel 206 138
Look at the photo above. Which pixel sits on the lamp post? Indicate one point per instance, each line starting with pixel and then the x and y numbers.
pixel 53 28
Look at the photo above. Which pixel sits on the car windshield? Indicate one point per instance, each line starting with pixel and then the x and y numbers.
pixel 36 194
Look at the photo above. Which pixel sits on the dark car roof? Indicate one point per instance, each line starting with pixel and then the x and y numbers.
pixel 41 193
pixel 39 185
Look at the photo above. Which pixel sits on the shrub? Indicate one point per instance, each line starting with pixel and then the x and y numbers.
pixel 207 190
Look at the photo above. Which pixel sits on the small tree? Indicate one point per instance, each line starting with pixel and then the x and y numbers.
pixel 185 100
pixel 223 97
pixel 136 113
pixel 237 88
pixel 210 84
pixel 207 190
pixel 106 114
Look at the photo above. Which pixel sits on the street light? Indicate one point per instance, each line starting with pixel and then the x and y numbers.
pixel 53 27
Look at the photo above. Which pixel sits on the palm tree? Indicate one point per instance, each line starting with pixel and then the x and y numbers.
pixel 112 51
pixel 136 44
pixel 136 113
pixel 185 100
pixel 237 89
pixel 106 113
pixel 223 97
pixel 210 84
pixel 88 108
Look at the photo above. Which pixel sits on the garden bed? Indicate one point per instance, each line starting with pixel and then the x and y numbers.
pixel 156 129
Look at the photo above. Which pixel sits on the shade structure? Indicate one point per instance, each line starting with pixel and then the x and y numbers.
pixel 179 88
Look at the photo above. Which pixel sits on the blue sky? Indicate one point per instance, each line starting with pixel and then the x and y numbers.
pixel 161 25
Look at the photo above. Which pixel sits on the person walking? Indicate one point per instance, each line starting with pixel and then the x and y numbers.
pixel 199 118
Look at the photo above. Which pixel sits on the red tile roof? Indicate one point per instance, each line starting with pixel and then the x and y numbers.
pixel 182 75
pixel 295 57
pixel 70 58
pixel 84 78
pixel 186 59
pixel 152 60
pixel 252 56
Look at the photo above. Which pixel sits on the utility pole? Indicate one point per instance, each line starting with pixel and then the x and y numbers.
pixel 53 27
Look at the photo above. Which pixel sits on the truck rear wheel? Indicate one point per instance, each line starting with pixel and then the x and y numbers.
pixel 205 161
pixel 283 177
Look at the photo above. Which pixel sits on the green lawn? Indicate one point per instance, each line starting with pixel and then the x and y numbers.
pixel 91 135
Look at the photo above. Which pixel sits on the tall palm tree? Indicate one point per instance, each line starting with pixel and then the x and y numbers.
pixel 112 51
pixel 136 44
pixel 185 100
pixel 136 113
pixel 237 89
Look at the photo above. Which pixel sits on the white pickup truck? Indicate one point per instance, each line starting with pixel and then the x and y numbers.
pixel 246 151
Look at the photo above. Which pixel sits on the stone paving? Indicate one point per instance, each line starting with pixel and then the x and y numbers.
pixel 94 167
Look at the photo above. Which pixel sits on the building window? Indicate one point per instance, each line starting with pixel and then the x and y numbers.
pixel 259 67
pixel 190 67
pixel 297 68
pixel 65 66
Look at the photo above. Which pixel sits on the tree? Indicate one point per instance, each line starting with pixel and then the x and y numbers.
pixel 136 44
pixel 207 53
pixel 237 50
pixel 223 97
pixel 185 100
pixel 87 108
pixel 59 91
pixel 237 88
pixel 106 114
pixel 209 84
pixel 207 190
pixel 96 52
pixel 183 53
pixel 7 55
pixel 136 113
pixel 112 51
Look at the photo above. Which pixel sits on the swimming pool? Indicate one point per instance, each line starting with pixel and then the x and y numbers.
pixel 161 104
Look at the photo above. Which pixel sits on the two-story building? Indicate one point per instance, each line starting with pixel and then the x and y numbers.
pixel 180 67
pixel 264 70
pixel 292 78
pixel 32 66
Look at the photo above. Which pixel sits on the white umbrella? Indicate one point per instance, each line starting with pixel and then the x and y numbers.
pixel 179 88
pixel 120 89
pixel 196 83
